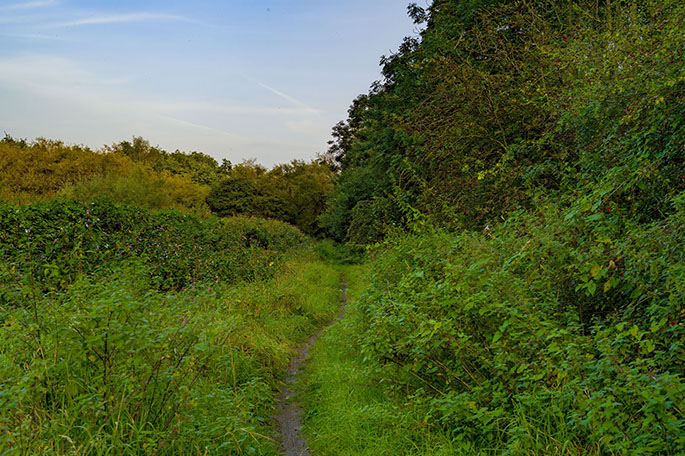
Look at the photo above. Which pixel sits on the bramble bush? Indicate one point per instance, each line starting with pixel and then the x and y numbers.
pixel 549 331
pixel 51 243
pixel 126 331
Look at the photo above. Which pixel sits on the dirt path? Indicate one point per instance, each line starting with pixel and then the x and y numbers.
pixel 289 416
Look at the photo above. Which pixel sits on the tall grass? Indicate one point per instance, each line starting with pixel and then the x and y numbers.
pixel 348 412
pixel 113 366
pixel 130 332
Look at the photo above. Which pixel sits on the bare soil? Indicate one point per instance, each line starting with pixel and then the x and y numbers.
pixel 289 417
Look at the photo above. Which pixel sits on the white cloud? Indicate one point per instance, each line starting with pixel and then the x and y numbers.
pixel 29 5
pixel 285 96
pixel 124 18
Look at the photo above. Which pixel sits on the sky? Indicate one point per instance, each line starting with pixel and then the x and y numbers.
pixel 235 79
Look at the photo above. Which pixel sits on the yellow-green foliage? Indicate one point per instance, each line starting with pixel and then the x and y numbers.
pixel 144 187
pixel 44 169
pixel 31 171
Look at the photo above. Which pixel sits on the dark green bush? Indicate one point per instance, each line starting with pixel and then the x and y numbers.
pixel 551 329
pixel 51 243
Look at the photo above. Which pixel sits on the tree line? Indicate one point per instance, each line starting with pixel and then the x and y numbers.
pixel 137 173
pixel 496 103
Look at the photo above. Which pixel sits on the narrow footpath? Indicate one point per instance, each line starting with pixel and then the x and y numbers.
pixel 289 417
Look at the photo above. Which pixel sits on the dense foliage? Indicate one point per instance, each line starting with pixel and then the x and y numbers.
pixel 533 337
pixel 44 169
pixel 534 151
pixel 136 173
pixel 498 102
pixel 125 331
pixel 295 193
pixel 52 243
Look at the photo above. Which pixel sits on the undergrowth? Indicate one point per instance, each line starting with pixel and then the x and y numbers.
pixel 123 351
pixel 551 333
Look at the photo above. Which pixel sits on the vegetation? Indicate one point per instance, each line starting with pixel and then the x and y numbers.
pixel 520 171
pixel 45 169
pixel 516 181
pixel 499 102
pixel 124 331
pixel 136 173
pixel 295 193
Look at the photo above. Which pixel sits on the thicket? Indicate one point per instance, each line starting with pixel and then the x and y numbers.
pixel 295 193
pixel 44 169
pixel 535 153
pixel 126 331
pixel 136 173
pixel 495 103
pixel 544 335
pixel 51 243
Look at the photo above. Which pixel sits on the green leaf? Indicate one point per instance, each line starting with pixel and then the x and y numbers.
pixel 607 286
pixel 634 331
pixel 591 288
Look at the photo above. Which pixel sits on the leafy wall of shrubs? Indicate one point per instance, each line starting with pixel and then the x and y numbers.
pixel 51 243
pixel 128 331
pixel 551 331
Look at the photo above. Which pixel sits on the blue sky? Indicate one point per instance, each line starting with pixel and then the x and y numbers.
pixel 264 79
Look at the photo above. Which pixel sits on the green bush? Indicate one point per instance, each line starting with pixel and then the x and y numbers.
pixel 51 243
pixel 548 332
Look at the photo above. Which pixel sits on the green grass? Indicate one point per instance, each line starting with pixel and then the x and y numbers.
pixel 112 366
pixel 347 411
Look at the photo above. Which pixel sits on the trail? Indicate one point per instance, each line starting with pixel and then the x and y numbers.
pixel 289 416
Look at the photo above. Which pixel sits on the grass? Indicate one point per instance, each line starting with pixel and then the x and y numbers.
pixel 112 366
pixel 347 411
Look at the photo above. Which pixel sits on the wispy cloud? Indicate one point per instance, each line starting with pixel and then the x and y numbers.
pixel 286 97
pixel 124 18
pixel 205 128
pixel 185 106
pixel 29 5
pixel 34 36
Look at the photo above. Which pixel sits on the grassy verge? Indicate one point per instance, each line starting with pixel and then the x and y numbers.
pixel 114 366
pixel 347 411
pixel 532 340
